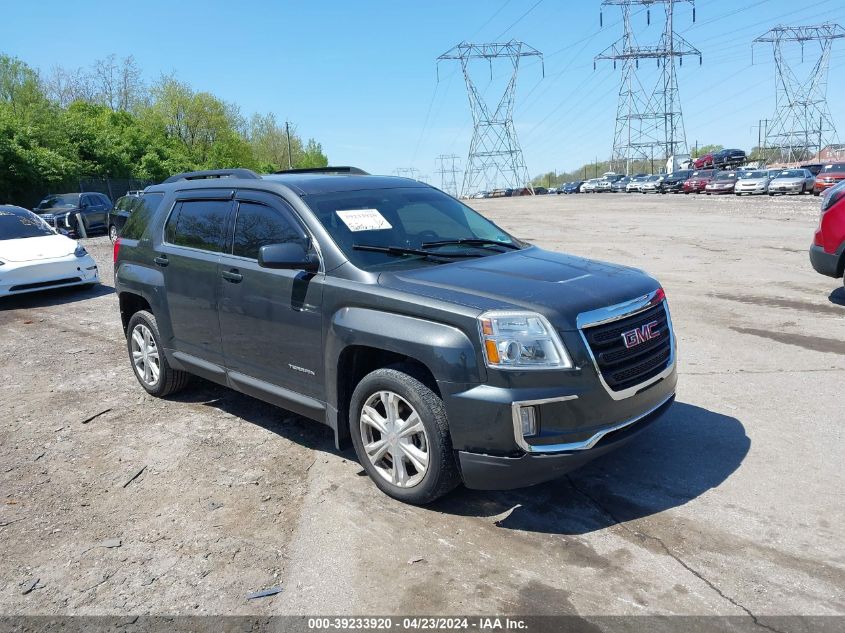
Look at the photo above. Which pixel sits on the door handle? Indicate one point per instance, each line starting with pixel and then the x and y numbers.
pixel 161 260
pixel 232 276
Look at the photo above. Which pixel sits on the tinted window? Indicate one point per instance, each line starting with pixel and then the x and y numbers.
pixel 68 200
pixel 141 209
pixel 199 224
pixel 258 225
pixel 834 167
pixel 20 223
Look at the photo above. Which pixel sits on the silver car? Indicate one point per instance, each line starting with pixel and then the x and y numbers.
pixel 796 181
pixel 752 182
pixel 651 184
pixel 635 184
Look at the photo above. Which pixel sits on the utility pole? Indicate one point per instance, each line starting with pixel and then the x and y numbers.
pixel 494 150
pixel 287 131
pixel 800 100
pixel 648 120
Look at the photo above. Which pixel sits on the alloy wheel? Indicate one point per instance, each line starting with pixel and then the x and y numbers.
pixel 394 439
pixel 145 356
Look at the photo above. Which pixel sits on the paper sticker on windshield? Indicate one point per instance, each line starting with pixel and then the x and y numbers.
pixel 364 220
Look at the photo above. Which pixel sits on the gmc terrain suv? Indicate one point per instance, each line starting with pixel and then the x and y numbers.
pixel 446 349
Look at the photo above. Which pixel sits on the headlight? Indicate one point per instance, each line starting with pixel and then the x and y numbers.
pixel 521 340
pixel 80 251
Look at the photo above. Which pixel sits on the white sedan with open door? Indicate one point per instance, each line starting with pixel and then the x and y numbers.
pixel 34 257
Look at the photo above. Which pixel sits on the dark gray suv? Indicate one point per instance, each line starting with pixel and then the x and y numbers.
pixel 446 349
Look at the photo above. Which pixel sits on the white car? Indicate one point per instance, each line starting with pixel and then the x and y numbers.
pixel 590 186
pixel 34 257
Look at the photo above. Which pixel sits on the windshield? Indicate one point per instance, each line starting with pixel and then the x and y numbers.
pixel 69 201
pixel 754 174
pixel 726 175
pixel 413 218
pixel 22 223
pixel 791 173
pixel 835 167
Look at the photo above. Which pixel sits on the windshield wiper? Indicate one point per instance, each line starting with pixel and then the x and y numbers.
pixel 470 241
pixel 401 250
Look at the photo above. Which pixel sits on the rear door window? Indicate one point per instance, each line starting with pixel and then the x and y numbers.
pixel 199 224
pixel 141 210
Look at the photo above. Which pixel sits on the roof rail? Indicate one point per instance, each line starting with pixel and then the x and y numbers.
pixel 246 174
pixel 325 170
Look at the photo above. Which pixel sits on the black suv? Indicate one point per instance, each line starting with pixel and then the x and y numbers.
pixel 674 182
pixel 446 349
pixel 64 211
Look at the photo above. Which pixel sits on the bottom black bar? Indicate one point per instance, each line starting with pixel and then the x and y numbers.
pixel 529 624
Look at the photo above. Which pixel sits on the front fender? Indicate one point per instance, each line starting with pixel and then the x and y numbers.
pixel 444 349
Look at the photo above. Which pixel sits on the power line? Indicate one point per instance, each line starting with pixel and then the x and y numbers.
pixel 519 19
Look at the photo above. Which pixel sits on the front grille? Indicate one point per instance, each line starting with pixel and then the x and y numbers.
pixel 45 284
pixel 623 367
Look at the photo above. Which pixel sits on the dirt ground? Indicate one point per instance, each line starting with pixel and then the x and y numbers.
pixel 114 502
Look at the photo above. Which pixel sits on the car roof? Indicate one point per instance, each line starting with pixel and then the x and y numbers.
pixel 302 183
pixel 11 208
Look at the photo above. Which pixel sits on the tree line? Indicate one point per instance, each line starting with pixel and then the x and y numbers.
pixel 106 122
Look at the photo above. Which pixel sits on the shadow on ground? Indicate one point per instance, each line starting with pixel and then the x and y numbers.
pixel 55 297
pixel 678 458
pixel 838 296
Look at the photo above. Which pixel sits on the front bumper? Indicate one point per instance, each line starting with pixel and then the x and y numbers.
pixel 826 263
pixel 490 472
pixel 24 277
pixel 785 188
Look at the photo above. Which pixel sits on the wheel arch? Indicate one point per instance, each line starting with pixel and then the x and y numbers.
pixel 361 340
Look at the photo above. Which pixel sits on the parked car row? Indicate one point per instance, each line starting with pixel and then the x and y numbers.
pixel 807 179
pixel 83 214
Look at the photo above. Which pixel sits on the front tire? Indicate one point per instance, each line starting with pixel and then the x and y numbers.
pixel 112 233
pixel 149 362
pixel 401 435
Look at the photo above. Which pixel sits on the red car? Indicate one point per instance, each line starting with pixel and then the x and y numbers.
pixel 699 180
pixel 703 161
pixel 828 176
pixel 827 253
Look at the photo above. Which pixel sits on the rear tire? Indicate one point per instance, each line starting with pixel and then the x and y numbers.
pixel 415 467
pixel 149 362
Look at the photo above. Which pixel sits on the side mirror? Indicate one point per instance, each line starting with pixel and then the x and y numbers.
pixel 288 256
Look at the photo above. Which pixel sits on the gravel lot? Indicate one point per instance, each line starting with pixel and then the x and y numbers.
pixel 731 505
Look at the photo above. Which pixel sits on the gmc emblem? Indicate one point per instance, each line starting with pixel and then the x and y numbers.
pixel 639 335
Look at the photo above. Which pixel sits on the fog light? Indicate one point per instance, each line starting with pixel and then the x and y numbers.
pixel 528 419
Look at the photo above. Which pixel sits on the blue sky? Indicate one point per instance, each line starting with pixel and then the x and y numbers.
pixel 361 77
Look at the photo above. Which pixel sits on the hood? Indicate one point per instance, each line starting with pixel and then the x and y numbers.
pixel 752 181
pixel 556 285
pixel 31 248
pixel 788 181
pixel 55 210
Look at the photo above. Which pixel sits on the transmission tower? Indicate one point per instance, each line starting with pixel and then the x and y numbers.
pixel 448 170
pixel 802 121
pixel 408 172
pixel 494 151
pixel 648 115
